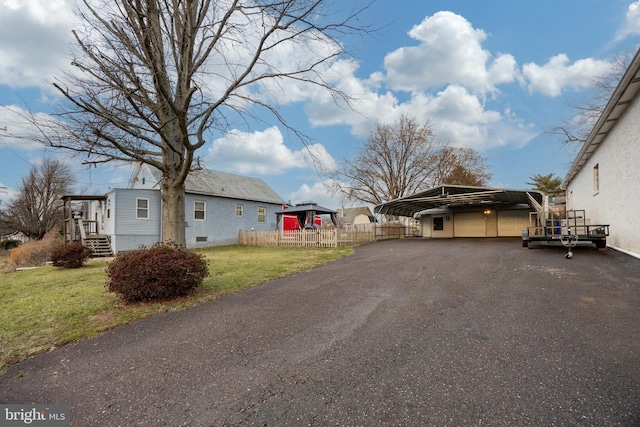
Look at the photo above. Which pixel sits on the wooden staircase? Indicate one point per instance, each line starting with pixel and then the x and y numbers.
pixel 99 244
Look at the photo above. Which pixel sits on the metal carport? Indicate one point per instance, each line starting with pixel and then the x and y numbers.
pixel 466 202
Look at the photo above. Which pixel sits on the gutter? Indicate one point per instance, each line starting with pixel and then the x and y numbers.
pixel 624 84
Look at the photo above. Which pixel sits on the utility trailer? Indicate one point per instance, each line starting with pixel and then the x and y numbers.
pixel 568 227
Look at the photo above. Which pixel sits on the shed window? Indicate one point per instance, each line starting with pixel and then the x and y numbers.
pixel 142 208
pixel 199 210
pixel 438 223
pixel 240 211
pixel 200 239
pixel 596 179
pixel 262 214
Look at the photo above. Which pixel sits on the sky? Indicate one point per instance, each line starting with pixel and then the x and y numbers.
pixel 490 75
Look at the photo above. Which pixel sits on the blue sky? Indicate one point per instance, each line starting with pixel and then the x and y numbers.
pixel 489 75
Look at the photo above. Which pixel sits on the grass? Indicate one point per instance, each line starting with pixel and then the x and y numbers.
pixel 45 308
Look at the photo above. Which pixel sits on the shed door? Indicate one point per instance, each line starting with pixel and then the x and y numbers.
pixel 476 224
pixel 469 224
pixel 512 223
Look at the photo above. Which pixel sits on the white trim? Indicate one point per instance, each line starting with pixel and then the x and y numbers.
pixel 626 90
pixel 624 251
pixel 265 214
pixel 204 210
pixel 147 209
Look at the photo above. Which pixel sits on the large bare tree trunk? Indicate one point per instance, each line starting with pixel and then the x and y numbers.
pixel 173 219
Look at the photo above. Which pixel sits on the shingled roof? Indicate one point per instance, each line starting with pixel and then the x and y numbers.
pixel 349 214
pixel 222 184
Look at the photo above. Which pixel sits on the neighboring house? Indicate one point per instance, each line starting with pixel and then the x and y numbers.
pixel 217 206
pixel 354 216
pixel 16 235
pixel 604 178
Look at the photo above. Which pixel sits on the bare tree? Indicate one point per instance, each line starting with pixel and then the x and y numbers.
pixel 461 166
pixel 396 160
pixel 587 110
pixel 403 158
pixel 154 78
pixel 37 208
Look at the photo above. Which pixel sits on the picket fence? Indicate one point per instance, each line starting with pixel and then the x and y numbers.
pixel 321 238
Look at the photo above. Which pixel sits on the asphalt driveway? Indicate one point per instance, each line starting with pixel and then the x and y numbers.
pixel 405 332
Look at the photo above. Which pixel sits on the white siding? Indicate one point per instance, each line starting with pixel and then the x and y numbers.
pixel 617 202
pixel 361 219
pixel 129 232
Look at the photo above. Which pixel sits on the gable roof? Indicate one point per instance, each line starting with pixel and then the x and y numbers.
pixel 306 207
pixel 458 195
pixel 349 214
pixel 624 94
pixel 208 182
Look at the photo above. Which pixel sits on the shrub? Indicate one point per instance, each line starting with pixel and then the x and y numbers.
pixel 71 255
pixel 9 244
pixel 33 253
pixel 162 271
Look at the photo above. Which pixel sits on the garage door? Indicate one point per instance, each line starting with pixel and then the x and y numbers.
pixel 471 224
pixel 511 223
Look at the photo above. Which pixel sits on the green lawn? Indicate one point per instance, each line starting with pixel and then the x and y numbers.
pixel 44 308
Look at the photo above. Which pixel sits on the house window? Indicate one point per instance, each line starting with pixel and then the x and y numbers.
pixel 262 214
pixel 438 223
pixel 199 209
pixel 596 179
pixel 200 239
pixel 142 208
pixel 240 211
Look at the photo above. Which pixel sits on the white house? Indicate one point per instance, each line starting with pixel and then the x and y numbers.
pixel 605 176
pixel 217 206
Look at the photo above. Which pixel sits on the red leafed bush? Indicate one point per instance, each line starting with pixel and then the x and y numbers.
pixel 161 271
pixel 71 255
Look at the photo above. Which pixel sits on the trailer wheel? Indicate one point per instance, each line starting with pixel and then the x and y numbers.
pixel 601 243
pixel 525 244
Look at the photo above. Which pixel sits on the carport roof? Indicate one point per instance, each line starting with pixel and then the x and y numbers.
pixel 457 195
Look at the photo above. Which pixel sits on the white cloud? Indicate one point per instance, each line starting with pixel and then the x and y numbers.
pixel 558 74
pixel 450 52
pixel 265 153
pixel 632 22
pixel 317 192
pixel 34 36
pixel 20 131
pixel 449 57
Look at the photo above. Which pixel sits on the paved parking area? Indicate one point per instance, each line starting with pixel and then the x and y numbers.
pixel 405 332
